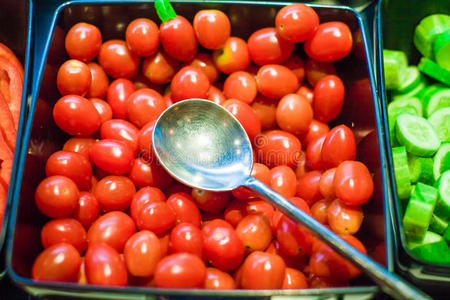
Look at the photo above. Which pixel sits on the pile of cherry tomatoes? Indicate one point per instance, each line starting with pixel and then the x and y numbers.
pixel 118 218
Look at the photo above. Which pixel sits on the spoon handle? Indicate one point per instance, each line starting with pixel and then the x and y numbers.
pixel 390 283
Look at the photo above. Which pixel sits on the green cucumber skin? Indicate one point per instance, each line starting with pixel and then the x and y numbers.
pixel 421 169
pixel 438 225
pixel 441 49
pixel 442 209
pixel 440 120
pixel 438 252
pixel 401 172
pixel 441 161
pixel 394 62
pixel 435 71
pixel 425 33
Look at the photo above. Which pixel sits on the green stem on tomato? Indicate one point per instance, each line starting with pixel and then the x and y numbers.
pixel 165 10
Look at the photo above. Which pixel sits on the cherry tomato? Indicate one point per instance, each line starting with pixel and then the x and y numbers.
pixel 60 262
pixel 143 106
pixel 316 70
pixel 189 82
pixel 319 211
pixel 57 196
pixel 117 60
pixel 99 81
pixel 294 279
pixel 260 207
pixel 316 130
pixel 187 238
pixel 294 239
pixel 210 201
pixel 262 270
pixel 326 184
pixel 103 108
pixel 240 85
pixel 144 196
pixel 313 154
pixel 180 270
pixel 308 187
pixel 159 68
pixel 76 115
pixel 300 167
pixel 212 28
pixel 276 81
pixel 114 193
pixel 379 253
pixel 142 253
pixel 104 266
pixel 232 57
pixel 74 77
pixel 72 165
pixel 235 211
pixel 306 93
pixel 296 65
pixel 332 41
pixel 353 183
pixel 278 147
pixel 79 145
pixel 177 37
pixel 111 155
pixel 218 280
pixel 117 96
pixel 296 22
pixel 283 181
pixel 145 141
pixel 245 115
pixel 216 95
pixel 339 145
pixel 113 228
pixel 329 96
pixel 120 130
pixel 65 230
pixel 296 262
pixel 255 232
pixel 203 61
pixel 141 82
pixel 260 172
pixel 265 109
pixel 83 41
pixel 156 216
pixel 222 246
pixel 294 114
pixel 143 174
pixel 265 46
pixel 142 37
pixel 343 218
pixel 87 209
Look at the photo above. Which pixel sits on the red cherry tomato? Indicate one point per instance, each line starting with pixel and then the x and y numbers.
pixel 306 93
pixel 76 115
pixel 60 262
pixel 278 147
pixel 111 155
pixel 339 145
pixel 255 232
pixel 65 230
pixel 211 201
pixel 189 82
pixel 343 218
pixel 104 266
pixel 79 145
pixel 265 109
pixel 212 28
pixel 142 36
pixel 232 57
pixel 294 239
pixel 215 95
pixel 143 174
pixel 260 172
pixel 296 22
pixel 296 65
pixel 177 37
pixel 143 197
pixel 316 70
pixel 120 130
pixel 332 41
pixel 74 77
pixel 72 165
pixel 294 279
pixel 117 96
pixel 265 46
pixel 114 193
pixel 276 81
pixel 319 211
pixel 294 114
pixel 283 181
pixel 145 141
pixel 235 211
pixel 159 68
pixel 156 216
pixel 326 184
pixel 261 207
pixel 57 196
pixel 117 60
pixel 353 183
pixel 308 187
pixel 313 154
pixel 218 280
pixel 245 115
pixel 180 270
pixel 316 130
pixel 187 238
pixel 203 61
pixel 87 210
pixel 103 108
pixel 144 105
pixel 142 253
pixel 113 228
pixel 297 262
pixel 262 270
pixel 83 41
pixel 99 81
pixel 222 246
pixel 329 96
pixel 240 85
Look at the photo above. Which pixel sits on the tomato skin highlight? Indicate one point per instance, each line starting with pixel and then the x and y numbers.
pixel 178 39
pixel 83 41
pixel 142 37
pixel 180 270
pixel 265 46
pixel 65 230
pixel 116 59
pixel 329 96
pixel 268 267
pixel 104 266
pixel 276 81
pixel 111 155
pixel 353 183
pixel 142 252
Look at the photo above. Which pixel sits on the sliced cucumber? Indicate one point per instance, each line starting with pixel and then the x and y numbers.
pixel 441 160
pixel 433 70
pixel 437 99
pixel 417 219
pixel 440 120
pixel 399 104
pixel 442 49
pixel 430 237
pixel 420 169
pixel 417 135
pixel 437 252
pixel 411 78
pixel 394 64
pixel 446 235
pixel 443 204
pixel 401 171
pixel 427 30
pixel 438 225
pixel 413 93
pixel 425 93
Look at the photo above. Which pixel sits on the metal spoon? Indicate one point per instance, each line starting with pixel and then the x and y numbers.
pixel 204 146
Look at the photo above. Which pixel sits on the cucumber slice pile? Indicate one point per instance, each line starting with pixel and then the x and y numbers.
pixel 419 129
